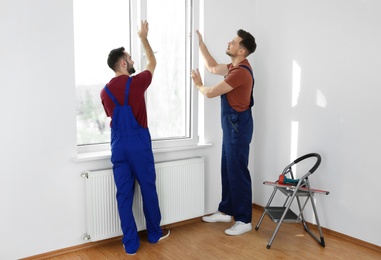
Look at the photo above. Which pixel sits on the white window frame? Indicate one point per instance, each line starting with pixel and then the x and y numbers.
pixel 137 13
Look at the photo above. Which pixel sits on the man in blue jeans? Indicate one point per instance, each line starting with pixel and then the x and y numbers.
pixel 236 92
pixel 131 150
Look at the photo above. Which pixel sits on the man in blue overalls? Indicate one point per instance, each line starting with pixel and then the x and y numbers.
pixel 236 92
pixel 131 150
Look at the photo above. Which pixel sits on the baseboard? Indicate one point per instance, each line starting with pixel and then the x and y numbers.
pixel 68 250
pixel 88 245
pixel 334 233
pixel 255 206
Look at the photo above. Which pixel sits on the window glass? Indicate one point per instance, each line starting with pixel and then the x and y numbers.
pixel 97 30
pixel 100 26
pixel 167 103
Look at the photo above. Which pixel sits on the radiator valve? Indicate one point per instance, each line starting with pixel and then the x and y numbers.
pixel 86 237
pixel 85 175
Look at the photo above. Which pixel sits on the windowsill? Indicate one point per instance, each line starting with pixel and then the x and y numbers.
pixel 101 155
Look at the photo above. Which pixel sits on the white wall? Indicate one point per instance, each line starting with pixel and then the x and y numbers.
pixel 42 206
pixel 336 45
pixel 41 191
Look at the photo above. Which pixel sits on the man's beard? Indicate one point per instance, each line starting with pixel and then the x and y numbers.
pixel 131 70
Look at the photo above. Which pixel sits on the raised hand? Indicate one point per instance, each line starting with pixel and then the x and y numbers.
pixel 196 77
pixel 143 32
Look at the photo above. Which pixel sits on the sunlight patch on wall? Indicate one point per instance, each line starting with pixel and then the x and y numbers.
pixel 321 101
pixel 296 74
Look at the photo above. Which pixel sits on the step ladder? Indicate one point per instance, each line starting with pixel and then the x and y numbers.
pixel 293 189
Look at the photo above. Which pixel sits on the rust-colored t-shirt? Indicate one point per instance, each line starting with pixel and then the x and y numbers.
pixel 241 81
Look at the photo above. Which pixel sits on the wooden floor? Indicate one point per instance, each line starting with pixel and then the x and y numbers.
pixel 200 240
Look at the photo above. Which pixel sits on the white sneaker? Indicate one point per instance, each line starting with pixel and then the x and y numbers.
pixel 217 217
pixel 128 253
pixel 238 228
pixel 166 233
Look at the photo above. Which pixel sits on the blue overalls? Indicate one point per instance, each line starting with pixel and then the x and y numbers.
pixel 132 158
pixel 237 131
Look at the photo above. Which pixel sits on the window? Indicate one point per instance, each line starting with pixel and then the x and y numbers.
pixel 100 26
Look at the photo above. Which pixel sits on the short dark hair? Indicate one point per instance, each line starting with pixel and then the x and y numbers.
pixel 248 41
pixel 114 57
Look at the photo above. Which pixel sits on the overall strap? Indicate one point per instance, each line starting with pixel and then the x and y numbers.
pixel 252 76
pixel 127 91
pixel 251 73
pixel 111 96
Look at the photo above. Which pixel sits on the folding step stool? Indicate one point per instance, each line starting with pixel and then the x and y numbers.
pixel 293 188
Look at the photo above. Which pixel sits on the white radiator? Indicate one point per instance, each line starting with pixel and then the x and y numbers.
pixel 180 188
